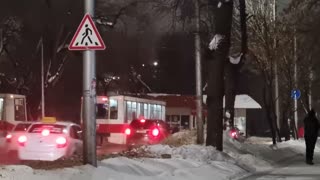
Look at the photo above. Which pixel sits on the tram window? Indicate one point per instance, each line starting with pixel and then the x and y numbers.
pixel 146 115
pixel 129 110
pixel 113 109
pixel 138 110
pixel 163 112
pixel 102 111
pixel 134 110
pixel 1 108
pixel 158 109
pixel 150 110
pixel 19 109
pixel 141 110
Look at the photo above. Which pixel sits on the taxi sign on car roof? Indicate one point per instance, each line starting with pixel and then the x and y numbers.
pixel 49 120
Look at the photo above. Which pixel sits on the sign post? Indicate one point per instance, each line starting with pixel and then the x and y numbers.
pixel 88 39
pixel 295 95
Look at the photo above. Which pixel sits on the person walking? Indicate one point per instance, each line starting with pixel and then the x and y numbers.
pixel 311 127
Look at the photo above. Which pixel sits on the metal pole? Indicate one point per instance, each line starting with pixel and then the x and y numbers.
pixel 295 78
pixel 42 82
pixel 89 99
pixel 310 86
pixel 199 119
pixel 276 79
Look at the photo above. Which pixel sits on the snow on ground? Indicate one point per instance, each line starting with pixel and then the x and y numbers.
pixel 186 162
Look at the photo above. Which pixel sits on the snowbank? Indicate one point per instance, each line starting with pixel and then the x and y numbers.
pixel 186 162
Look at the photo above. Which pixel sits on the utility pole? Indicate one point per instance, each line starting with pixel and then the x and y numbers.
pixel 276 79
pixel 42 81
pixel 295 77
pixel 199 119
pixel 89 98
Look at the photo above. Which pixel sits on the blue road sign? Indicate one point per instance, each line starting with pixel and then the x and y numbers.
pixel 295 94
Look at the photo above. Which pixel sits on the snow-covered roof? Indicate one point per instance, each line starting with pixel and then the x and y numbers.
pixel 242 101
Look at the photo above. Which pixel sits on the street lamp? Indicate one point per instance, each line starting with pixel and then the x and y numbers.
pixel 155 63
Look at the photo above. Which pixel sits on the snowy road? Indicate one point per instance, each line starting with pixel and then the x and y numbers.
pixel 293 168
pixel 106 149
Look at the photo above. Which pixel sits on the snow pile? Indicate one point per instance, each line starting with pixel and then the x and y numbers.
pixel 185 162
pixel 194 152
pixel 180 138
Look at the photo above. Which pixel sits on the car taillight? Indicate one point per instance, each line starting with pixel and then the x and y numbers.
pixel 61 142
pixel 8 137
pixel 233 133
pixel 22 140
pixel 155 132
pixel 45 132
pixel 127 131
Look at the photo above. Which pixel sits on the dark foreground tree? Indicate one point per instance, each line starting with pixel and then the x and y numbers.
pixel 220 45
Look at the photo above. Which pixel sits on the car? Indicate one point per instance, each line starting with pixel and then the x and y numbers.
pixel 50 141
pixel 12 137
pixel 146 132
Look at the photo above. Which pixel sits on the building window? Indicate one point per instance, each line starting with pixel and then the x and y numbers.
pixel 19 109
pixel 185 121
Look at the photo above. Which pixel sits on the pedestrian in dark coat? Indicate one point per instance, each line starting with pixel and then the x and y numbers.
pixel 311 127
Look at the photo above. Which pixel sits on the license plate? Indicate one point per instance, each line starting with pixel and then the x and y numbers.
pixel 141 131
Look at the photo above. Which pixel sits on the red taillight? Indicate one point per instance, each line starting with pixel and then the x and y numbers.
pixel 61 142
pixel 127 131
pixel 233 133
pixel 155 132
pixel 22 140
pixel 45 132
pixel 8 137
pixel 142 120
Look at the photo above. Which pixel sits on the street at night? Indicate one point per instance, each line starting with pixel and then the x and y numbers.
pixel 160 89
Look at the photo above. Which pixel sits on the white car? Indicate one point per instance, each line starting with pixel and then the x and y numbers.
pixel 12 137
pixel 50 141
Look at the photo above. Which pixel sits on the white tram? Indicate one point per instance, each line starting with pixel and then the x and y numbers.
pixel 115 113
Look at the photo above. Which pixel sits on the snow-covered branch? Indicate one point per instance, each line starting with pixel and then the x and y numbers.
pixel 215 42
pixel 57 75
pixel 236 59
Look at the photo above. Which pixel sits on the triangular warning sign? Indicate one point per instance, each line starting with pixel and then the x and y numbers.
pixel 87 36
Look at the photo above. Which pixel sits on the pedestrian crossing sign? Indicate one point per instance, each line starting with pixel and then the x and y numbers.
pixel 87 36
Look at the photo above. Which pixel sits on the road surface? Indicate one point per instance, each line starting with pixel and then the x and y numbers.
pixel 106 149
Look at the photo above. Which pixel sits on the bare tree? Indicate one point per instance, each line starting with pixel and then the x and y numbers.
pixel 262 32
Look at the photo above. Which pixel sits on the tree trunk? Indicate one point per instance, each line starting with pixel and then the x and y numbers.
pixel 223 23
pixel 267 91
pixel 231 72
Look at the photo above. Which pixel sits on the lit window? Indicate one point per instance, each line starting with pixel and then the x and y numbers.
pixel 113 109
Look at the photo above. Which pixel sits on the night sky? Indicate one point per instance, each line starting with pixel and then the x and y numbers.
pixel 137 38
